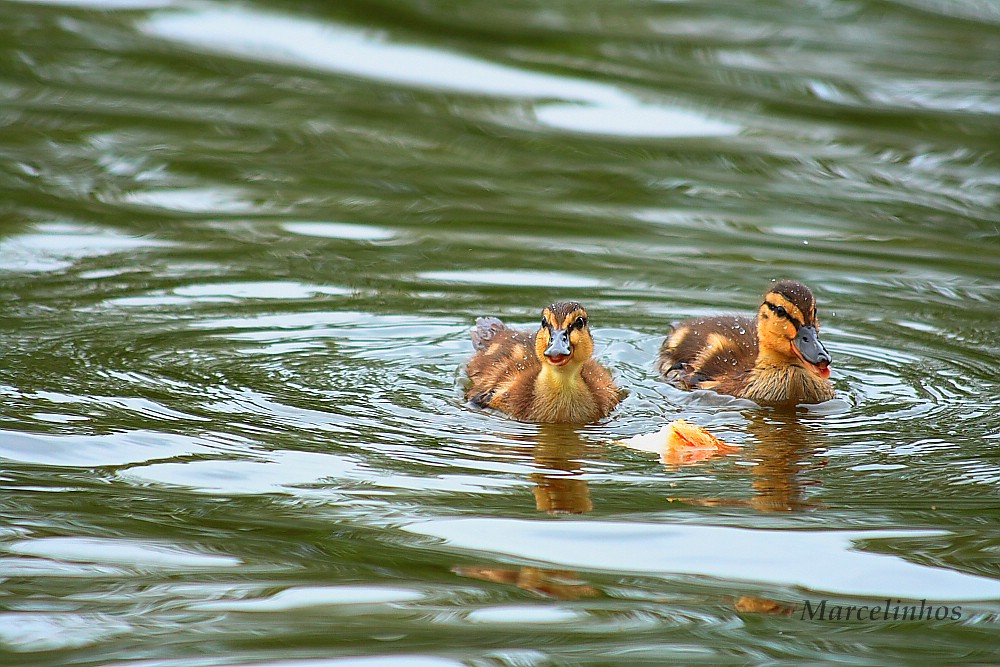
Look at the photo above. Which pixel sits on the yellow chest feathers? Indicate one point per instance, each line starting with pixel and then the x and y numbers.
pixel 563 397
pixel 783 384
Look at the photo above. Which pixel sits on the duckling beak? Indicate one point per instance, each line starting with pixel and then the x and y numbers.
pixel 559 351
pixel 810 350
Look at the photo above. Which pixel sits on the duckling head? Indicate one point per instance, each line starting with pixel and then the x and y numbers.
pixel 564 341
pixel 788 329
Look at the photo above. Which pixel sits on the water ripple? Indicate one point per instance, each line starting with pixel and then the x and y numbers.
pixel 244 246
pixel 600 108
pixel 702 550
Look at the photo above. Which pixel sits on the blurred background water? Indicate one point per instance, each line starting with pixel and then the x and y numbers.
pixel 241 247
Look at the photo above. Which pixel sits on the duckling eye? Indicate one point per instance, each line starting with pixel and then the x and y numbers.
pixel 580 323
pixel 780 311
pixel 545 323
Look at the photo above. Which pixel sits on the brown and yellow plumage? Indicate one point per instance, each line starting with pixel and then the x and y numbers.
pixel 545 376
pixel 775 359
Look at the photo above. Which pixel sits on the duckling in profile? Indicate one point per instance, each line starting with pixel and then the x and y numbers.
pixel 543 376
pixel 777 359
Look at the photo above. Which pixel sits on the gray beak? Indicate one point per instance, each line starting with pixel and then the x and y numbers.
pixel 559 345
pixel 809 346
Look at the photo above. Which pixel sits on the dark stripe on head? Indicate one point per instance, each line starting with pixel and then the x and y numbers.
pixel 781 312
pixel 798 295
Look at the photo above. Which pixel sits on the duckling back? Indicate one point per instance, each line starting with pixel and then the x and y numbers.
pixel 505 360
pixel 712 353
pixel 487 328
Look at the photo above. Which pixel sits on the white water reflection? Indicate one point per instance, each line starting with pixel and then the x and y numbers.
pixel 532 614
pixel 632 120
pixel 276 289
pixel 128 553
pixel 54 246
pixel 368 661
pixel 512 278
pixel 295 472
pixel 278 473
pixel 819 561
pixel 24 632
pixel 340 230
pixel 194 200
pixel 366 54
pixel 973 10
pixel 600 108
pixel 89 451
pixel 107 5
pixel 36 567
pixel 315 596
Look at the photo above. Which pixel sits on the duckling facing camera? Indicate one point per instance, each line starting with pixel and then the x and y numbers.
pixel 543 376
pixel 773 360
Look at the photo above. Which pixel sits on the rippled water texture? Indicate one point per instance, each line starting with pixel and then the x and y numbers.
pixel 242 248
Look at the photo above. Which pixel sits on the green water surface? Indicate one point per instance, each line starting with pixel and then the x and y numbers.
pixel 241 248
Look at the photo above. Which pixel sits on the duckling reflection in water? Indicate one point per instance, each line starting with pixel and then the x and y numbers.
pixel 559 455
pixel 559 584
pixel 545 376
pixel 784 458
pixel 773 360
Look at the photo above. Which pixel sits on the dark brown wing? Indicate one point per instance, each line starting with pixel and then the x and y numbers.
pixel 503 356
pixel 602 387
pixel 703 352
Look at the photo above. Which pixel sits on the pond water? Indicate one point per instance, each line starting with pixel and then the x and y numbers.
pixel 242 248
